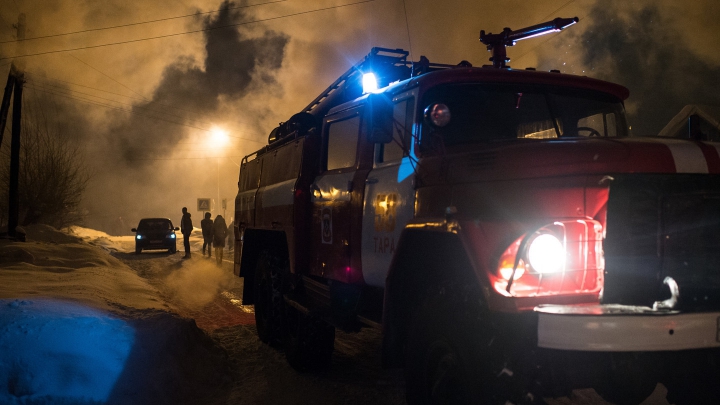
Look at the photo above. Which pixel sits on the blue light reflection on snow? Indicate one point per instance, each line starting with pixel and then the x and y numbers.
pixel 60 349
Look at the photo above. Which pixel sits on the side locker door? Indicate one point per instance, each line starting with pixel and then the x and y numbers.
pixel 248 184
pixel 389 193
pixel 332 197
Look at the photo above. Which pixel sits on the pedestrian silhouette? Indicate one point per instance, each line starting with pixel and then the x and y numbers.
pixel 207 232
pixel 219 233
pixel 186 228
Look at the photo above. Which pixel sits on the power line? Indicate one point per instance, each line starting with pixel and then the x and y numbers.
pixel 407 27
pixel 93 102
pixel 53 92
pixel 141 22
pixel 186 158
pixel 102 73
pixel 51 79
pixel 118 102
pixel 48 81
pixel 131 111
pixel 186 32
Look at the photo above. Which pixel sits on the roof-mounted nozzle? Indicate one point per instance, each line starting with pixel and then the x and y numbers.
pixel 496 43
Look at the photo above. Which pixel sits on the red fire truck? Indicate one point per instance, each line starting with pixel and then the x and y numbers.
pixel 500 227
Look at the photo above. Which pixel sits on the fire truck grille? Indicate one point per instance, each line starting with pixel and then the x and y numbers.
pixel 663 226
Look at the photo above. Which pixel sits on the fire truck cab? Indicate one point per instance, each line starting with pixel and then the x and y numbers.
pixel 498 225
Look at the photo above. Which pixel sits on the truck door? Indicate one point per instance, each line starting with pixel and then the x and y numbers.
pixel 337 197
pixel 389 193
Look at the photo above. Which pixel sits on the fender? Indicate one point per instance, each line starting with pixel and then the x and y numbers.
pixel 427 260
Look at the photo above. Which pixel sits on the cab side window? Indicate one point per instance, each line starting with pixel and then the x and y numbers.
pixel 402 132
pixel 342 143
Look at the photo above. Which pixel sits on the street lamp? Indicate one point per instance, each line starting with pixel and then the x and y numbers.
pixel 218 139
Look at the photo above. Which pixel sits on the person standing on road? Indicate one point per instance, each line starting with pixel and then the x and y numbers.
pixel 186 228
pixel 219 233
pixel 231 234
pixel 207 231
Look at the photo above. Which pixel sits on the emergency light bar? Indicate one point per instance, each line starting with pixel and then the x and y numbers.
pixel 369 83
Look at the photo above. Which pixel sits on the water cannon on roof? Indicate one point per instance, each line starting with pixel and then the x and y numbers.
pixel 496 43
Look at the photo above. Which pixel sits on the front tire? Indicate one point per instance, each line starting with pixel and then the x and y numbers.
pixel 138 250
pixel 455 356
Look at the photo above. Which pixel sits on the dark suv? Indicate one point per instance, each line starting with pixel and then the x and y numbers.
pixel 155 233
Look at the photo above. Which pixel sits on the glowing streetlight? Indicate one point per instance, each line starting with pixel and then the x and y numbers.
pixel 218 139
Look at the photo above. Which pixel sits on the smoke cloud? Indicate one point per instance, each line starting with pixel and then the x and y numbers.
pixel 160 153
pixel 647 47
pixel 191 92
pixel 150 153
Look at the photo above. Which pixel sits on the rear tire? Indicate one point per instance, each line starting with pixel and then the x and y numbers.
pixel 269 304
pixel 309 342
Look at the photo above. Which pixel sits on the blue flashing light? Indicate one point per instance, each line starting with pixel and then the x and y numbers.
pixel 369 83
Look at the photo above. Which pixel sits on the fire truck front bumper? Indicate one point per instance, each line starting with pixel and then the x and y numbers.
pixel 621 328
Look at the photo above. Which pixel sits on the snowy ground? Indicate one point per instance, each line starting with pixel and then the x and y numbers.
pixel 79 326
pixel 83 320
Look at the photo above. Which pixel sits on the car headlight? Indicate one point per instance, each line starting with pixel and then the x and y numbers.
pixel 171 236
pixel 546 254
pixel 563 257
pixel 139 237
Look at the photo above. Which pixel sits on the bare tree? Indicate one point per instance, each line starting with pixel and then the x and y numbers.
pixel 53 175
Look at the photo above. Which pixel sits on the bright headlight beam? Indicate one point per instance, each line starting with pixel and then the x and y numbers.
pixel 546 254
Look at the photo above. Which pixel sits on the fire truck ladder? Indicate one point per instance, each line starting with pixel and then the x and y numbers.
pixel 378 58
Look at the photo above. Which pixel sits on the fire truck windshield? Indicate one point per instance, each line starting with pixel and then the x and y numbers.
pixel 488 112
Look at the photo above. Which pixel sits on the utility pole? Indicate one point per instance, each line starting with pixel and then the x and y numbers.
pixel 6 101
pixel 13 194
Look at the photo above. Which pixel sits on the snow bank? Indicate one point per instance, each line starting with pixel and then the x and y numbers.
pixel 54 264
pixel 77 326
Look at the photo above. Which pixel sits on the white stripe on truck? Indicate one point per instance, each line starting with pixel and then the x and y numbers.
pixel 688 156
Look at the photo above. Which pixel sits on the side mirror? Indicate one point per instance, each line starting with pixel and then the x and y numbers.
pixel 177 228
pixel 133 230
pixel 379 118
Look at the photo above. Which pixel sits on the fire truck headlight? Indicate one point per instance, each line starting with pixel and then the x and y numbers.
pixel 438 114
pixel 369 83
pixel 546 254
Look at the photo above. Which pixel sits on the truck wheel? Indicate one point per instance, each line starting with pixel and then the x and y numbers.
pixel 452 358
pixel 630 379
pixel 269 297
pixel 309 342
